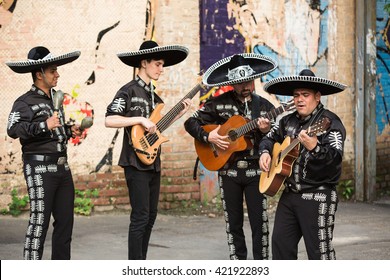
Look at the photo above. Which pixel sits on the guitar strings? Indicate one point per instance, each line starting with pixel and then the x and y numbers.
pixel 166 120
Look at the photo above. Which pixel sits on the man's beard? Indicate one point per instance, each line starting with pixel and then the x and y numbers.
pixel 245 93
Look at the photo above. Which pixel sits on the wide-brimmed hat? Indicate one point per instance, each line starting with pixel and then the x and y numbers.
pixel 172 54
pixel 306 79
pixel 40 57
pixel 238 68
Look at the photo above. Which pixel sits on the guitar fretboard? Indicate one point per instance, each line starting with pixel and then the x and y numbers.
pixel 318 127
pixel 166 120
pixel 253 124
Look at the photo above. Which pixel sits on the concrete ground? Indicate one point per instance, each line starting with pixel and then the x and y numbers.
pixel 362 232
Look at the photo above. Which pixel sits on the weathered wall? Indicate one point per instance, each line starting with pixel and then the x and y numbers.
pixel 383 96
pixel 100 29
pixel 296 33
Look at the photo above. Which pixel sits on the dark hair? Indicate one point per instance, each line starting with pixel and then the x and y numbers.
pixel 35 71
pixel 149 59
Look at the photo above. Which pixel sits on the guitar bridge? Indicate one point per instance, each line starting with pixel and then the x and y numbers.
pixel 143 143
pixel 141 152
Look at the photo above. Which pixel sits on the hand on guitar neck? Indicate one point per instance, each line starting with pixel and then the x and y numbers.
pixel 264 124
pixel 309 141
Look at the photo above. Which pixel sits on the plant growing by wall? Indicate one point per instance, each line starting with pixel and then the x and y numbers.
pixel 346 189
pixel 83 204
pixel 17 204
pixel 387 7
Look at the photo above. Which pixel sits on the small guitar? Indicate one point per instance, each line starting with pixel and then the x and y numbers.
pixel 283 158
pixel 146 145
pixel 235 127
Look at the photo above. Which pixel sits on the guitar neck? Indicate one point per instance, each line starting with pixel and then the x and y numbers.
pixel 167 119
pixel 289 148
pixel 253 123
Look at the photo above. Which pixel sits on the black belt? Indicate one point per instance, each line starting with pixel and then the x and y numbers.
pixel 60 160
pixel 292 188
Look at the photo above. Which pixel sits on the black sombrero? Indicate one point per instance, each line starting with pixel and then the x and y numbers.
pixel 172 54
pixel 306 79
pixel 40 57
pixel 237 69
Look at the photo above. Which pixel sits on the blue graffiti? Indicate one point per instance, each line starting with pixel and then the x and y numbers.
pixel 383 67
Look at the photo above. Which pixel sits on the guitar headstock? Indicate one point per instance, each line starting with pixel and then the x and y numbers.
pixel 199 79
pixel 319 127
pixel 289 105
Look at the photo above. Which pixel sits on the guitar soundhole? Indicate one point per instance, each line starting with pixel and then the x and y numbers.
pixel 232 135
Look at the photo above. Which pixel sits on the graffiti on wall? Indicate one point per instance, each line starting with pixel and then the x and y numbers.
pixel 151 7
pixel 383 66
pixel 292 32
pixel 7 7
pixel 75 109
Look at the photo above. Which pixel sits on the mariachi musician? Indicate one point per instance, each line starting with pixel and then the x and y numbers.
pixel 308 203
pixel 239 177
pixel 38 120
pixel 132 106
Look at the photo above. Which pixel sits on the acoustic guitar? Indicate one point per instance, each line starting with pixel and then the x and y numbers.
pixel 147 145
pixel 283 158
pixel 235 127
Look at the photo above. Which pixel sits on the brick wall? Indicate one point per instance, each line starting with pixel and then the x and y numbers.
pixel 176 22
pixel 340 59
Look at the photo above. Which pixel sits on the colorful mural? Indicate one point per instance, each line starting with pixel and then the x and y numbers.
pixel 293 33
pixel 383 65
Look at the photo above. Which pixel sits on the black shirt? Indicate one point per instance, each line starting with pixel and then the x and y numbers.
pixel 134 99
pixel 27 121
pixel 322 166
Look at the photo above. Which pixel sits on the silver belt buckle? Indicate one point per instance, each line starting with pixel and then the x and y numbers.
pixel 61 160
pixel 242 164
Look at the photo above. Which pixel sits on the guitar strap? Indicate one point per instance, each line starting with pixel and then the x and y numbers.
pixel 255 113
pixel 255 106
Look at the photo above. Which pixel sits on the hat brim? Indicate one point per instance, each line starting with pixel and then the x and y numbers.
pixel 27 66
pixel 216 74
pixel 171 55
pixel 286 85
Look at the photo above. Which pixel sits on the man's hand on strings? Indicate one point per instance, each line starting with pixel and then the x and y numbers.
pixel 149 125
pixel 218 140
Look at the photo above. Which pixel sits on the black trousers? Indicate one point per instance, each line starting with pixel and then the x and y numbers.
pixel 309 215
pixel 235 184
pixel 51 191
pixel 144 190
